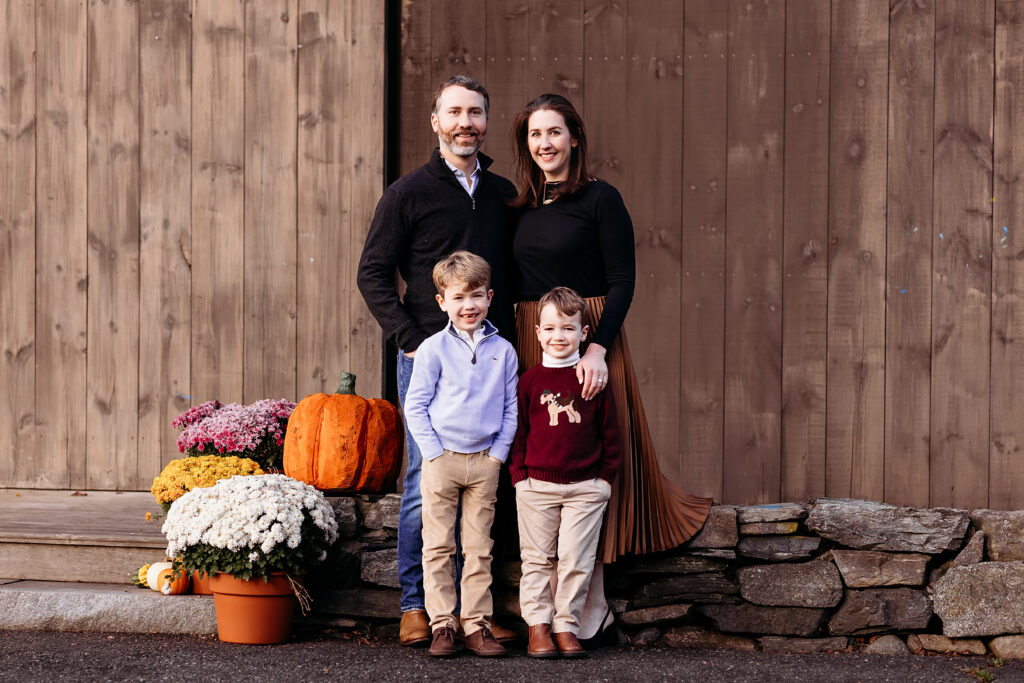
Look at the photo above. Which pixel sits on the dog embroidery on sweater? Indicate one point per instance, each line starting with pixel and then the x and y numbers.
pixel 557 404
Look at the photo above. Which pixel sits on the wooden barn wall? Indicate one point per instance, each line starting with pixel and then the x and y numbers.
pixel 828 218
pixel 824 194
pixel 185 186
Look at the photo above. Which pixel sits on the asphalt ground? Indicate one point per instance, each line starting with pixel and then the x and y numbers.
pixel 319 656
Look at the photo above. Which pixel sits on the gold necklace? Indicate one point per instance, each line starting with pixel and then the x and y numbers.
pixel 554 185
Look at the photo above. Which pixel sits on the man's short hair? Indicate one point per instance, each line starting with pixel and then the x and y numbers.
pixel 566 301
pixel 461 266
pixel 466 82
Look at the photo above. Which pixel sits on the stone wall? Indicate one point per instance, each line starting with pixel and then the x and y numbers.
pixel 829 574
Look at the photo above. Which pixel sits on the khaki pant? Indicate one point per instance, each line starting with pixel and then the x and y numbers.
pixel 474 478
pixel 558 522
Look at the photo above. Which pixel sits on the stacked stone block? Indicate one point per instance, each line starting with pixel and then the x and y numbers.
pixel 825 575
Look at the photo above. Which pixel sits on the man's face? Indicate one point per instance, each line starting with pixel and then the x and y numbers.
pixel 460 121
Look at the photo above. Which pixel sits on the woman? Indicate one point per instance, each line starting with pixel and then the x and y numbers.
pixel 574 231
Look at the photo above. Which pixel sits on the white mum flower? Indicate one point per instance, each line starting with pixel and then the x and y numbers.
pixel 248 514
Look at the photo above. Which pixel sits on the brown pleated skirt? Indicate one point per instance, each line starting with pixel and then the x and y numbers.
pixel 646 512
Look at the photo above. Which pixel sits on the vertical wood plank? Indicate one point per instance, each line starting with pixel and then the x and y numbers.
pixel 61 246
pixel 962 241
pixel 556 62
pixel 508 41
pixel 17 241
pixel 416 139
pixel 324 175
pixel 363 103
pixel 805 240
pixel 655 78
pixel 753 317
pixel 218 196
pixel 340 80
pixel 113 316
pixel 270 199
pixel 1006 479
pixel 165 193
pixel 458 42
pixel 909 253
pixel 604 72
pixel 856 287
pixel 702 320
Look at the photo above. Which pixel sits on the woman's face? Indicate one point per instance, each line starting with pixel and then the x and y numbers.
pixel 550 143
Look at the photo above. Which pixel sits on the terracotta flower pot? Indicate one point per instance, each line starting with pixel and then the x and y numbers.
pixel 201 584
pixel 254 611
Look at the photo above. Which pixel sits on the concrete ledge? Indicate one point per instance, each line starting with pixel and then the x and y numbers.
pixel 65 606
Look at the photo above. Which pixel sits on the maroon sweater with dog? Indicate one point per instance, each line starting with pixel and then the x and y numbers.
pixel 562 438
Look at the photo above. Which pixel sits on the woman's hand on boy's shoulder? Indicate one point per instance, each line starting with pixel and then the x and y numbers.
pixel 592 371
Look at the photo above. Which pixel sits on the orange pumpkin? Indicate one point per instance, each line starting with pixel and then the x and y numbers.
pixel 168 585
pixel 345 442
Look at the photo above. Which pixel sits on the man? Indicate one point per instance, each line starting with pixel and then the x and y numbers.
pixel 451 203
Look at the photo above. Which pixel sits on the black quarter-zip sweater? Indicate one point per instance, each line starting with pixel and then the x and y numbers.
pixel 421 218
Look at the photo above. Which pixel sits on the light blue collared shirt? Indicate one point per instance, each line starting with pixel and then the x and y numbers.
pixel 469 182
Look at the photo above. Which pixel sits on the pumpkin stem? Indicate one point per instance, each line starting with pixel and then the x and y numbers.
pixel 346 383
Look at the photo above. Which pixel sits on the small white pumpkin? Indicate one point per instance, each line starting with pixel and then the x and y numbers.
pixel 153 574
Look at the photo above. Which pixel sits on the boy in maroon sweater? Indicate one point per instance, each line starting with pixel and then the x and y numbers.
pixel 563 460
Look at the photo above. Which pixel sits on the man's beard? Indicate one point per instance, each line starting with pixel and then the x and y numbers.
pixel 448 140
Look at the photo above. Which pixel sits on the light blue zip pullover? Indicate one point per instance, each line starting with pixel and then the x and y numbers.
pixel 460 399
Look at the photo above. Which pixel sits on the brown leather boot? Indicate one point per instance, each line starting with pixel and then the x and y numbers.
pixel 541 646
pixel 443 644
pixel 568 645
pixel 415 628
pixel 482 644
pixel 503 635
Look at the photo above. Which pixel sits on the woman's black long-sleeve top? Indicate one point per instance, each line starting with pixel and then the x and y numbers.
pixel 583 241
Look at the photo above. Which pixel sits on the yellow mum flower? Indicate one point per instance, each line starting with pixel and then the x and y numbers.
pixel 184 474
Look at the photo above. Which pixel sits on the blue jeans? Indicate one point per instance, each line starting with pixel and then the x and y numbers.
pixel 410 513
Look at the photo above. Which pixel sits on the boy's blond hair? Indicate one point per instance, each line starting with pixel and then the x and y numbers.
pixel 566 301
pixel 463 266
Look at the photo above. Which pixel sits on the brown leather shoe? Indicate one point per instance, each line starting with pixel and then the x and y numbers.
pixel 503 635
pixel 443 644
pixel 482 644
pixel 568 645
pixel 415 628
pixel 541 646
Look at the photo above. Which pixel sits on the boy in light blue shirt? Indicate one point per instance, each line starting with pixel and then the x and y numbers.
pixel 461 409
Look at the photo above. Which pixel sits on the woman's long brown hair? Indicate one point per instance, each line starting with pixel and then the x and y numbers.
pixel 529 177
